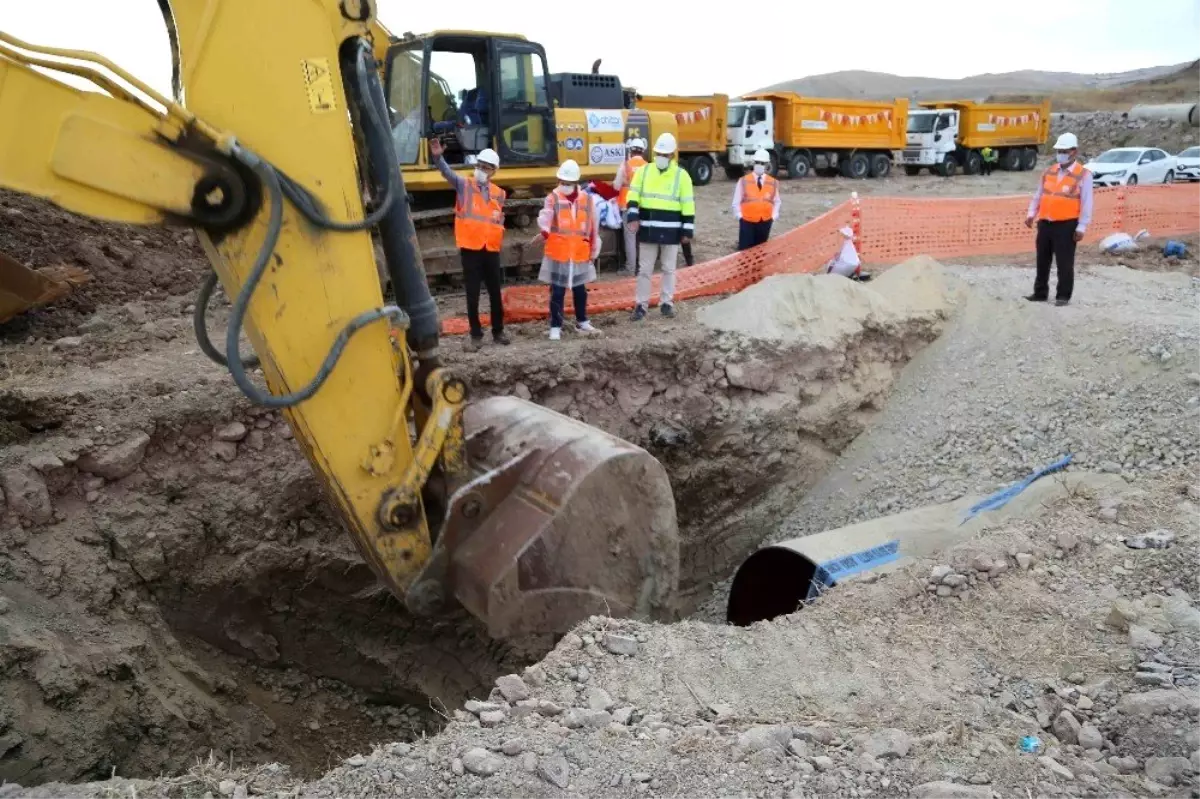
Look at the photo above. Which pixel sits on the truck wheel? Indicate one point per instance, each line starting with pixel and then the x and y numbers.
pixel 974 163
pixel 881 165
pixel 1011 160
pixel 734 172
pixel 912 171
pixel 701 170
pixel 857 166
pixel 1029 158
pixel 948 168
pixel 799 165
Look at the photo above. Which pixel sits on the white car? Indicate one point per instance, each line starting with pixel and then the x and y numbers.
pixel 1128 166
pixel 1187 164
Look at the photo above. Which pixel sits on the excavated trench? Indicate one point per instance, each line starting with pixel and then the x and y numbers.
pixel 173 583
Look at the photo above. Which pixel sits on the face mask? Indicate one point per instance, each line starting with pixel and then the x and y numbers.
pixel 567 190
pixel 662 161
pixel 1063 158
pixel 760 169
pixel 481 177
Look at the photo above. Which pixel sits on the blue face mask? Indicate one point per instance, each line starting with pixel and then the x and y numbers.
pixel 1063 158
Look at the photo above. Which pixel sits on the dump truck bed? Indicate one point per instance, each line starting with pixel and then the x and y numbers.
pixel 701 119
pixel 830 123
pixel 999 124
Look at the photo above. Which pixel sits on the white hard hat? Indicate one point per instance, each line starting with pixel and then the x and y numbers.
pixel 569 171
pixel 847 232
pixel 489 157
pixel 665 144
pixel 762 157
pixel 637 144
pixel 1067 141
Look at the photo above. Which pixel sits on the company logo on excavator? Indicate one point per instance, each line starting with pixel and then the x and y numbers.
pixel 605 122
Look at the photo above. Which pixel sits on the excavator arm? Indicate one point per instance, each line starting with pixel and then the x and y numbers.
pixel 282 160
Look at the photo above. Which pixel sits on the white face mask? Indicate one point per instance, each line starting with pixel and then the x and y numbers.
pixel 481 177
pixel 760 169
pixel 1063 158
pixel 662 161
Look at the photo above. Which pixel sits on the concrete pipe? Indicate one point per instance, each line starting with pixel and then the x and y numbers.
pixel 1176 112
pixel 776 580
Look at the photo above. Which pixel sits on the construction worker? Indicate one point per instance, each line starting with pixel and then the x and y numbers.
pixel 635 151
pixel 479 234
pixel 756 203
pixel 989 158
pixel 662 209
pixel 570 225
pixel 1062 206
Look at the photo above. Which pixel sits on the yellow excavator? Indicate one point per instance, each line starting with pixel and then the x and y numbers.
pixel 284 160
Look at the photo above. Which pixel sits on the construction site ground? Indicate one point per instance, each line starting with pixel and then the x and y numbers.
pixel 181 615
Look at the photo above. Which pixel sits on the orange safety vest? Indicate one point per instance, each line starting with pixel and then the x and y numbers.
pixel 631 166
pixel 1061 198
pixel 758 205
pixel 479 220
pixel 570 236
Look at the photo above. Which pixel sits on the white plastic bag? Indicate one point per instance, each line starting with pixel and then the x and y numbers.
pixel 1115 243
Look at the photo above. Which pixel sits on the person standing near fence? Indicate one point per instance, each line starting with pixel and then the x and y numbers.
pixel 570 225
pixel 479 234
pixel 988 159
pixel 635 152
pixel 662 209
pixel 756 203
pixel 1062 208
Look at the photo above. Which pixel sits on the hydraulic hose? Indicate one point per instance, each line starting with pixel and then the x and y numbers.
pixel 199 324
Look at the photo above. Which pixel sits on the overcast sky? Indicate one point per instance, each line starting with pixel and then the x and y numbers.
pixel 668 48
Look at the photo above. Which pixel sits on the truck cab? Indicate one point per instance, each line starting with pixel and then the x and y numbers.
pixel 931 140
pixel 751 126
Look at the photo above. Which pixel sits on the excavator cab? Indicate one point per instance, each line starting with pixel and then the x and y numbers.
pixel 472 91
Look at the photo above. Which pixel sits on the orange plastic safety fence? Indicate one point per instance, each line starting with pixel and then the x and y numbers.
pixel 893 229
pixel 803 249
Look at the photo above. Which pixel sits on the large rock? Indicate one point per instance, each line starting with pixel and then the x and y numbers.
pixel 482 762
pixel 1159 702
pixel 1066 728
pixel 27 494
pixel 888 743
pixel 116 462
pixel 767 736
pixel 1166 769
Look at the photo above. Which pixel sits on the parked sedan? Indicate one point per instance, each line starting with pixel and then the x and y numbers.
pixel 1129 166
pixel 1187 164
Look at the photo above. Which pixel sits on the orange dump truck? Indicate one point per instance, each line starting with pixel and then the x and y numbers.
pixel 701 122
pixel 805 134
pixel 950 135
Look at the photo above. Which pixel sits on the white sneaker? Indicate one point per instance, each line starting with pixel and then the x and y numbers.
pixel 586 327
pixel 555 333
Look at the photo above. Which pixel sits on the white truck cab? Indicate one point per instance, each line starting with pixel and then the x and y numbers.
pixel 932 139
pixel 750 126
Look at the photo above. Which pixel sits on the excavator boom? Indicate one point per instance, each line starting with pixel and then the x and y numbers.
pixel 515 513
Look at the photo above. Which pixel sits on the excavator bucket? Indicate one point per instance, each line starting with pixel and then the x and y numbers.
pixel 22 288
pixel 559 521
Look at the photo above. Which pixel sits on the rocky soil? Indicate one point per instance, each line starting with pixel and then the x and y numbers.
pixel 1101 130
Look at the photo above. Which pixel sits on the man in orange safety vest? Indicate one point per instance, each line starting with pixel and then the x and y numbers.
pixel 1062 208
pixel 479 234
pixel 756 203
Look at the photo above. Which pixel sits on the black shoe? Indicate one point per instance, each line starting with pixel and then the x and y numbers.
pixel 1061 303
pixel 1036 298
pixel 668 311
pixel 639 313
pixel 501 339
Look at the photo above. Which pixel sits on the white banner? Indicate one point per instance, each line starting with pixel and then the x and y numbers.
pixel 602 154
pixel 605 121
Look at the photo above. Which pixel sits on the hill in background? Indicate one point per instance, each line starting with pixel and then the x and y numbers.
pixel 1172 83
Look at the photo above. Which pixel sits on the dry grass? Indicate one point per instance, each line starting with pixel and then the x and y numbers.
pixel 1183 86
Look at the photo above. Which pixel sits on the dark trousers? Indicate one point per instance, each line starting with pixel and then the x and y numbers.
pixel 987 167
pixel 481 267
pixel 558 297
pixel 1055 241
pixel 751 234
pixel 686 246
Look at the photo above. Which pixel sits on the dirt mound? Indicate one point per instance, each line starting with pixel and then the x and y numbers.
pixel 1102 130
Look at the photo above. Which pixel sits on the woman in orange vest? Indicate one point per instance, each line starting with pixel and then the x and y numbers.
pixel 570 225
pixel 479 234
pixel 635 157
pixel 756 203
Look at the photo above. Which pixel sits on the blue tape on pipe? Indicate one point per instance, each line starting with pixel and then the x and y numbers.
pixel 1002 497
pixel 841 567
